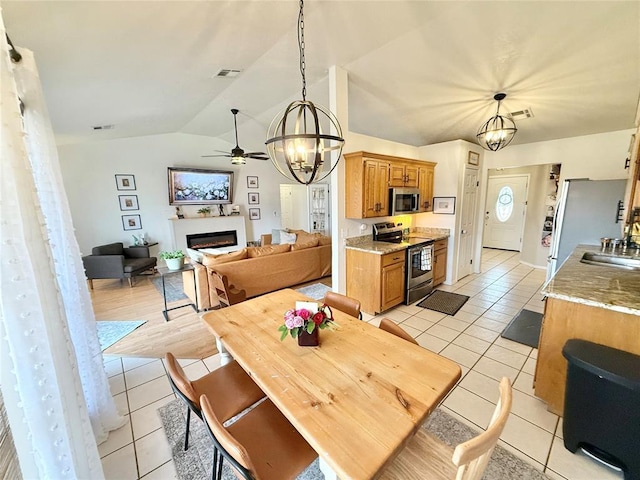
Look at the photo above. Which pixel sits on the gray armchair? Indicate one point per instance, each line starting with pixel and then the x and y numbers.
pixel 115 261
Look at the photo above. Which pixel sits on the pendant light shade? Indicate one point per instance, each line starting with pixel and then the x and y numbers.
pixel 305 141
pixel 498 131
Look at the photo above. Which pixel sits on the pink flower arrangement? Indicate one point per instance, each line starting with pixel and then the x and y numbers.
pixel 296 321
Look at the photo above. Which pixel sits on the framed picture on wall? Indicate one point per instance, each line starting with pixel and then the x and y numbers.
pixel 474 158
pixel 252 182
pixel 128 202
pixel 131 222
pixel 199 186
pixel 446 205
pixel 125 182
pixel 254 214
pixel 254 198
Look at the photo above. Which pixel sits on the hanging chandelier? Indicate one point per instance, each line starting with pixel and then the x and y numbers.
pixel 299 140
pixel 498 131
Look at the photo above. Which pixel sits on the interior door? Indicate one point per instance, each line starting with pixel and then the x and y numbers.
pixel 467 221
pixel 505 212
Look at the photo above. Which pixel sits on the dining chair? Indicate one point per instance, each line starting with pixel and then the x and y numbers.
pixel 260 445
pixel 392 327
pixel 227 294
pixel 427 457
pixel 229 387
pixel 345 304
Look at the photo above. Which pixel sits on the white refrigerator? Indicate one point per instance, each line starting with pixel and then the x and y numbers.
pixel 586 211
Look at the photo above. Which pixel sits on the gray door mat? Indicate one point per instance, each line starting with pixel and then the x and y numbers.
pixel 444 302
pixel 524 328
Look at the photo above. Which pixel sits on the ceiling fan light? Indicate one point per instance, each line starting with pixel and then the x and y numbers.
pixel 238 161
pixel 497 132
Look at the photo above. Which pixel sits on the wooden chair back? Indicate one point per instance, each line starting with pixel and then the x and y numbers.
pixel 227 294
pixel 472 456
pixel 391 327
pixel 345 304
pixel 425 456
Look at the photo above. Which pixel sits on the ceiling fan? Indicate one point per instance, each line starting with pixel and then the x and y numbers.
pixel 238 156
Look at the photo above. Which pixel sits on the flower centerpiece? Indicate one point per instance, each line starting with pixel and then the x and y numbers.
pixel 304 321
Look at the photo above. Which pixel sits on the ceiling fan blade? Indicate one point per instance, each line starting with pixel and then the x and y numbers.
pixel 227 155
pixel 257 157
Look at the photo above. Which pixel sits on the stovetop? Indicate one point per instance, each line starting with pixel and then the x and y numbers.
pixel 389 232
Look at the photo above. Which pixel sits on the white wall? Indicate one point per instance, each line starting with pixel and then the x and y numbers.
pixel 89 177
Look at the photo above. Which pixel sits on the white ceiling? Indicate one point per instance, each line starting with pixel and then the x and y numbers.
pixel 420 72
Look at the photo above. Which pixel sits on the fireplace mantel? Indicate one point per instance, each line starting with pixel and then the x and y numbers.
pixel 181 227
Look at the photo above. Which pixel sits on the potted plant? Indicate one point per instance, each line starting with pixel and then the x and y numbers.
pixel 174 260
pixel 204 211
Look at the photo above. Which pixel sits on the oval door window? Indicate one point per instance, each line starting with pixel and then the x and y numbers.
pixel 504 204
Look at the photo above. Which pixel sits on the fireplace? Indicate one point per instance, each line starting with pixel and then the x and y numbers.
pixel 198 241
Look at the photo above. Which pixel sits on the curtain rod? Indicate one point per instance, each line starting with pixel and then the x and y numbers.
pixel 15 55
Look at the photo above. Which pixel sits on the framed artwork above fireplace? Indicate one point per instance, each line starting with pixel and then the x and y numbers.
pixel 198 186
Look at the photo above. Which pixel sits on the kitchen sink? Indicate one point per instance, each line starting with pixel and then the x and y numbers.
pixel 620 261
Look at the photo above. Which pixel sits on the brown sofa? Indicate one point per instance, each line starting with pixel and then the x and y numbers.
pixel 259 270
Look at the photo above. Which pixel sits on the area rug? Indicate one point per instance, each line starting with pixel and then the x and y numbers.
pixel 444 302
pixel 109 332
pixel 524 328
pixel 196 462
pixel 315 291
pixel 173 287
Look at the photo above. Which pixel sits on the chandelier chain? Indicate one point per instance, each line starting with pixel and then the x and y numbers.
pixel 301 48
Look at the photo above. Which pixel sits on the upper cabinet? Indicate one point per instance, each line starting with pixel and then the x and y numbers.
pixel 403 175
pixel 368 177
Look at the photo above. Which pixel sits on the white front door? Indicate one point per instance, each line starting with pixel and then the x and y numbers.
pixel 505 212
pixel 467 221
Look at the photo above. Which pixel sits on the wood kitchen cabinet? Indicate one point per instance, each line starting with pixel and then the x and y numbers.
pixel 377 281
pixel 425 185
pixel 564 320
pixel 439 261
pixel 367 186
pixel 368 177
pixel 403 175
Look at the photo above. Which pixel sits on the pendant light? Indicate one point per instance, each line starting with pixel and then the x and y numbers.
pixel 299 140
pixel 498 131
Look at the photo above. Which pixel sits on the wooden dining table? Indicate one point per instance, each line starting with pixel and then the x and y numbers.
pixel 357 398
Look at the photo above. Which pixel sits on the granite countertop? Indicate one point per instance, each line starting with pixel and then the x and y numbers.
pixel 601 286
pixel 365 243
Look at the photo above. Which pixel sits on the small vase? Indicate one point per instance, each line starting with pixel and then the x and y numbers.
pixel 308 339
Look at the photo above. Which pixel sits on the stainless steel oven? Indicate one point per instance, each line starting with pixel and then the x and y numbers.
pixel 419 269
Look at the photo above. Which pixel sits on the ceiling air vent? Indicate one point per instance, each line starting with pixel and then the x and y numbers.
pixel 103 127
pixel 227 73
pixel 521 114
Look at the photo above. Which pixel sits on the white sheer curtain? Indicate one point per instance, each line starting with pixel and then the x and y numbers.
pixel 54 385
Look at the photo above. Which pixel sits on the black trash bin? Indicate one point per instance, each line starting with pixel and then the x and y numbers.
pixel 602 404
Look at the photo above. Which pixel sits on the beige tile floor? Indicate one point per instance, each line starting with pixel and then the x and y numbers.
pixel 470 338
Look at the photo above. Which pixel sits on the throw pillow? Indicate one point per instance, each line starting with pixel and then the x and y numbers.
pixel 303 245
pixel 286 237
pixel 255 252
pixel 212 260
pixel 275 236
pixel 195 255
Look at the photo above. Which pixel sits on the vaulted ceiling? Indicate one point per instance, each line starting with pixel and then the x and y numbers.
pixel 420 72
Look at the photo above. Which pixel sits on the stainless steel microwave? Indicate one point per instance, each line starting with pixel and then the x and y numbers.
pixel 403 200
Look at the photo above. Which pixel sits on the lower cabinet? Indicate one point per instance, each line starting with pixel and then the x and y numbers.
pixel 376 280
pixel 439 261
